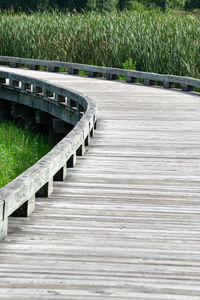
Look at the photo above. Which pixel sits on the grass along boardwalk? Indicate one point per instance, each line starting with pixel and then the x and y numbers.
pixel 125 223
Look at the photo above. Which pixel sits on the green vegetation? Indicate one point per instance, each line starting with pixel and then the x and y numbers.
pixel 101 5
pixel 157 42
pixel 128 65
pixel 19 149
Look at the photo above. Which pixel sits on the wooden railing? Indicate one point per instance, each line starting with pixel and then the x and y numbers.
pixel 167 81
pixel 18 196
pixel 76 109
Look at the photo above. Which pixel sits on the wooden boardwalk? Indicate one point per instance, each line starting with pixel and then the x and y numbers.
pixel 126 222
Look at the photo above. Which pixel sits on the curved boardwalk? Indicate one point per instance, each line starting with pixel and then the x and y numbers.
pixel 125 224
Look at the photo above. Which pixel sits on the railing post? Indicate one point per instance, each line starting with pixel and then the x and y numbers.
pixel 92 131
pixel 187 88
pixel 3 229
pixel 61 174
pixel 168 85
pixel 60 98
pixel 14 65
pixel 72 104
pixel 149 82
pixel 130 79
pixel 26 209
pixel 111 76
pixel 92 74
pixel 34 67
pixel 3 221
pixel 46 190
pixel 87 140
pixel 71 161
pixel 73 71
pixel 37 90
pixel 14 83
pixel 47 93
pixel 80 151
pixel 26 87
pixel 53 69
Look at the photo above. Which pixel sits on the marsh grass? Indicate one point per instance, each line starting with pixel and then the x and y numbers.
pixel 19 149
pixel 158 43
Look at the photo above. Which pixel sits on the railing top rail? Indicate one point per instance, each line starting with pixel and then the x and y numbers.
pixel 148 77
pixel 45 84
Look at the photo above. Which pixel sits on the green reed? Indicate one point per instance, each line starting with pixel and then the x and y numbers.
pixel 157 42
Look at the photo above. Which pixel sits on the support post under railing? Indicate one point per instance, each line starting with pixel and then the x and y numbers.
pixel 26 209
pixel 3 221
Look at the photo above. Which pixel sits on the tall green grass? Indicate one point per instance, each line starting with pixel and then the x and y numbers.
pixel 19 149
pixel 157 42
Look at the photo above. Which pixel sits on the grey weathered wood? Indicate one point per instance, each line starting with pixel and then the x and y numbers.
pixel 61 174
pixel 48 93
pixel 53 69
pixel 72 71
pixel 125 222
pixel 3 221
pixel 92 74
pixel 130 79
pixel 60 98
pixel 26 86
pixel 111 73
pixel 111 76
pixel 34 67
pixel 149 82
pixel 92 132
pixel 3 229
pixel 26 209
pixel 14 65
pixel 71 161
pixel 14 83
pixel 46 190
pixel 80 151
pixel 87 140
pixel 186 87
pixel 168 84
pixel 37 89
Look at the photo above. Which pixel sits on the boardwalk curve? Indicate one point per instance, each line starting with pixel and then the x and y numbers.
pixel 125 222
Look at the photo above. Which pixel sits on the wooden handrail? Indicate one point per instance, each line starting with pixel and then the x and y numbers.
pixel 19 195
pixel 168 81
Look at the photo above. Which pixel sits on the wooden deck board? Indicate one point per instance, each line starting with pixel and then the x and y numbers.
pixel 125 224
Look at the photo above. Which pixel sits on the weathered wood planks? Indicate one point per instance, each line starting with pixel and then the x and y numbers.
pixel 125 223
